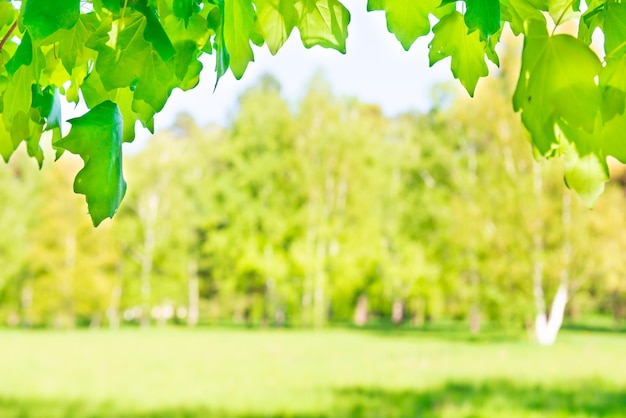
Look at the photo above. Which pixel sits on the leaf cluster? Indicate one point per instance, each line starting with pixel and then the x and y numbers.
pixel 123 59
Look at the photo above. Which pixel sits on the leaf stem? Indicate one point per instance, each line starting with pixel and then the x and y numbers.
pixel 558 22
pixel 7 35
pixel 614 51
pixel 124 9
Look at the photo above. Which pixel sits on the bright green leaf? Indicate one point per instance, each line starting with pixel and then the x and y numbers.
pixel 135 62
pixel 520 12
pixel 615 29
pixel 557 83
pixel 238 28
pixel 276 20
pixel 7 147
pixel 466 50
pixel 586 170
pixel 154 32
pixel 7 13
pixel 18 95
pixel 406 19
pixel 323 23
pixel 562 11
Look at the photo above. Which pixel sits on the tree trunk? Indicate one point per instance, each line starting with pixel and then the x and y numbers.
pixel 360 313
pixel 547 329
pixel 113 311
pixel 194 294
pixel 397 312
pixel 148 214
pixel 67 318
pixel 319 292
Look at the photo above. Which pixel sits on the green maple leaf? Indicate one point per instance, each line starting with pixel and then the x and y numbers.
pixel 97 138
pixel 23 55
pixel 71 43
pixel 556 84
pixel 7 13
pixel 483 15
pixel 189 38
pixel 613 137
pixel 18 95
pixel 7 147
pixel 134 62
pixel 275 21
pixel 406 19
pixel 215 21
pixel 586 170
pixel 153 31
pixel 44 17
pixel 563 10
pixel 238 30
pixel 112 5
pixel 613 87
pixel 156 82
pixel 615 29
pixel 323 23
pixel 518 12
pixel 467 50
pixel 95 93
pixel 183 9
pixel 48 102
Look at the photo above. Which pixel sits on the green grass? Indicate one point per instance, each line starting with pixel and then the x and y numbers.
pixel 307 374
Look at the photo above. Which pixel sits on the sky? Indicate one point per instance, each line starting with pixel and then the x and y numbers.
pixel 376 69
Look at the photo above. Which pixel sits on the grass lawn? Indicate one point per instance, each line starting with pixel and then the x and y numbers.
pixel 307 374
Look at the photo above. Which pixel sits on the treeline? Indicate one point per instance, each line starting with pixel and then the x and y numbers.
pixel 324 211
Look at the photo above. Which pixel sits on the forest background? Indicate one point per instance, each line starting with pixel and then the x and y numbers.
pixel 320 211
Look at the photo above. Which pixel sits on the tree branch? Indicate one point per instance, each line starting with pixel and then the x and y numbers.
pixel 7 35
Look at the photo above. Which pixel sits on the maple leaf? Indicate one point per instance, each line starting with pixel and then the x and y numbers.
pixel 275 20
pixel 556 84
pixel 97 138
pixel 483 15
pixel 466 50
pixel 323 23
pixel 44 17
pixel 238 30
pixel 406 19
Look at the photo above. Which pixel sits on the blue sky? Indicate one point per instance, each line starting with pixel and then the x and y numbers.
pixel 375 69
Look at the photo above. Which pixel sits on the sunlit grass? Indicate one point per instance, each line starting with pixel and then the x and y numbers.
pixel 306 374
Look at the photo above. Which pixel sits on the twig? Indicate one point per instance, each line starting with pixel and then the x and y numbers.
pixel 7 35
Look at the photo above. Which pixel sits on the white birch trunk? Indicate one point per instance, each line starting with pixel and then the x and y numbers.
pixel 547 328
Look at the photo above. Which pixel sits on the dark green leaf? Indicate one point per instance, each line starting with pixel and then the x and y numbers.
pixel 483 15
pixel 97 138
pixel 23 55
pixel 44 17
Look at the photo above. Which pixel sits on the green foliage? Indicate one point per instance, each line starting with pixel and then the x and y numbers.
pixel 281 219
pixel 97 138
pixel 135 53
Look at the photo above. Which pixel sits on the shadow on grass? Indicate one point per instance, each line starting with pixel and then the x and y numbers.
pixel 452 331
pixel 495 398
